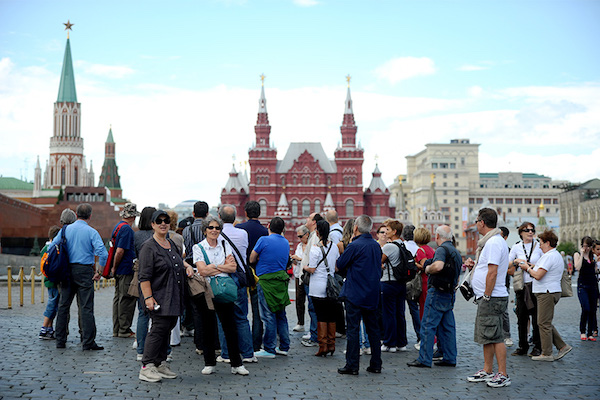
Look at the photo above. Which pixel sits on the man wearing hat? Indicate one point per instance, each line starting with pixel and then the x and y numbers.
pixel 122 270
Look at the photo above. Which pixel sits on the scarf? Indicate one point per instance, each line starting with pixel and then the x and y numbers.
pixel 483 241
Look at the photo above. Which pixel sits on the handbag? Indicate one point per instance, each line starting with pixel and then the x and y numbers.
pixel 414 287
pixel 195 287
pixel 134 285
pixel 334 282
pixel 305 278
pixel 224 287
pixel 566 290
pixel 518 283
pixel 465 287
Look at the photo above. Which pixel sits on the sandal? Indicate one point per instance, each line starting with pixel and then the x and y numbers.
pixel 591 339
pixel 595 334
pixel 583 337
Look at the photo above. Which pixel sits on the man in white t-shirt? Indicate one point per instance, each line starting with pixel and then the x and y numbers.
pixel 491 295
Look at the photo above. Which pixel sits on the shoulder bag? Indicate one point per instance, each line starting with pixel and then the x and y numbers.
pixel 565 285
pixel 223 287
pixel 334 282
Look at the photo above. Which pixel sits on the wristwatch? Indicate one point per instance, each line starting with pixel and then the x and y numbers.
pixel 487 297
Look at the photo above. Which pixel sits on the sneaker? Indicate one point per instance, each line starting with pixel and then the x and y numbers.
pixel 388 349
pixel 543 358
pixel 225 360
pixel 367 350
pixel 306 337
pixel 209 369
pixel 134 345
pixel 264 354
pixel 309 343
pixel 169 357
pixel 591 339
pixel 508 342
pixel 403 348
pixel 418 345
pixel 499 380
pixel 165 372
pixel 149 374
pixel 280 352
pixel 519 352
pixel 185 332
pixel 563 352
pixel 583 337
pixel 252 359
pixel 299 328
pixel 139 357
pixel 241 370
pixel 199 352
pixel 535 352
pixel 480 376
pixel 438 356
pixel 43 332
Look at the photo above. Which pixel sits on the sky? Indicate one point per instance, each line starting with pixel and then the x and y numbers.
pixel 179 83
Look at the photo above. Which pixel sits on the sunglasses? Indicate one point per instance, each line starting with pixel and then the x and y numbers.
pixel 161 220
pixel 528 230
pixel 301 236
pixel 213 227
pixel 379 233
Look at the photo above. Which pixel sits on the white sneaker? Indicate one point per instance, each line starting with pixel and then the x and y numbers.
pixel 221 359
pixel 280 352
pixel 388 349
pixel 241 370
pixel 208 370
pixel 298 328
pixel 367 350
pixel 139 357
pixel 134 345
pixel 252 359
pixel 199 352
pixel 404 348
pixel 149 374
pixel 169 357
pixel 508 342
pixel 418 345
pixel 306 337
pixel 165 372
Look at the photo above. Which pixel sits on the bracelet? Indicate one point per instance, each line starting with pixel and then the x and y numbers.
pixel 146 298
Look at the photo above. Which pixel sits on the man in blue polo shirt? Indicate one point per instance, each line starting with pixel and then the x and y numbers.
pixel 84 243
pixel 361 264
pixel 272 253
pixel 122 270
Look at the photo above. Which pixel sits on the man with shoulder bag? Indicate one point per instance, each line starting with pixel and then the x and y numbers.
pixel 438 316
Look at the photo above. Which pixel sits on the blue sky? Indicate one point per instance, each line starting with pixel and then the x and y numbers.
pixel 519 77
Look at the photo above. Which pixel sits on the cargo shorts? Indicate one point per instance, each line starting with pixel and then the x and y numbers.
pixel 488 322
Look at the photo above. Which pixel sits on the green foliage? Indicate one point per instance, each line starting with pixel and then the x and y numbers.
pixel 35 250
pixel 568 247
pixel 60 196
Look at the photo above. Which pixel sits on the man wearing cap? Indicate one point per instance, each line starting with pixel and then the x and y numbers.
pixel 122 270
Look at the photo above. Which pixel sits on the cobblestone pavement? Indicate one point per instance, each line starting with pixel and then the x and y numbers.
pixel 34 368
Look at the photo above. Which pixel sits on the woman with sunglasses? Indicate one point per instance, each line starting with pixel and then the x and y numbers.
pixel 526 252
pixel 302 232
pixel 382 237
pixel 212 258
pixel 587 289
pixel 161 275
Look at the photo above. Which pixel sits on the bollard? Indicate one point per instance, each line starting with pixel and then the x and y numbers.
pixel 9 272
pixel 21 279
pixel 32 277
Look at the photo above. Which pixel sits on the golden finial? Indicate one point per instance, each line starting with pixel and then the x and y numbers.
pixel 541 206
pixel 262 79
pixel 400 177
pixel 376 158
pixel 68 26
pixel 432 178
pixel 348 77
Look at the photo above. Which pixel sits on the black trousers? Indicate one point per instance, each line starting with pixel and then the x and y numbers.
pixel 523 315
pixel 209 324
pixel 369 317
pixel 157 341
pixel 326 309
pixel 300 302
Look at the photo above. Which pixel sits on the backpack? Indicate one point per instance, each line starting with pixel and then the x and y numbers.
pixel 111 252
pixel 56 263
pixel 406 269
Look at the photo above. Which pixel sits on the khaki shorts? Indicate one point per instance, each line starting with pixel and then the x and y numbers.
pixel 488 322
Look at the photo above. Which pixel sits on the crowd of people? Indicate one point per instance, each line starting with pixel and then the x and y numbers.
pixel 202 277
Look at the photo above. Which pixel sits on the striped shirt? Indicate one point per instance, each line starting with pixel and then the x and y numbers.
pixel 194 230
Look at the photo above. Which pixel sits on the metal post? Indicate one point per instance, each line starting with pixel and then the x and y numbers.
pixel 32 277
pixel 21 278
pixel 9 272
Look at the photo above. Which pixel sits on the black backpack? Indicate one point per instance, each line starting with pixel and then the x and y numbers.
pixel 406 269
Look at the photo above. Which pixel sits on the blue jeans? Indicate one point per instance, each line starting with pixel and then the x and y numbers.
pixel 240 316
pixel 438 317
pixel 274 324
pixel 142 326
pixel 393 306
pixel 313 317
pixel 369 317
pixel 413 307
pixel 52 306
pixel 588 298
pixel 363 338
pixel 257 326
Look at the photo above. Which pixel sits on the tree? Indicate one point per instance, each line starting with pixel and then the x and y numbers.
pixel 568 247
pixel 35 250
pixel 60 196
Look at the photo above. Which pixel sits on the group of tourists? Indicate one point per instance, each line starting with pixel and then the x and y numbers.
pixel 204 276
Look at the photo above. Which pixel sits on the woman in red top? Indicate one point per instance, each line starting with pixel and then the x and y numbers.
pixel 422 237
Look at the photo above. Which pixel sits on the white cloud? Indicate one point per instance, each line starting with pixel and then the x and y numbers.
pixel 108 71
pixel 402 68
pixel 305 3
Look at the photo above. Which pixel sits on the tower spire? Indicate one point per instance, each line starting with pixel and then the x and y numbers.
pixel 66 90
pixel 262 128
pixel 348 127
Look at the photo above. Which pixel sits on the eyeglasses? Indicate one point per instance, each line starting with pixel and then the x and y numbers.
pixel 379 233
pixel 478 220
pixel 210 227
pixel 528 230
pixel 161 220
pixel 301 236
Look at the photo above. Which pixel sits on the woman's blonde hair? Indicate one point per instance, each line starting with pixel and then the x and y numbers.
pixel 422 236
